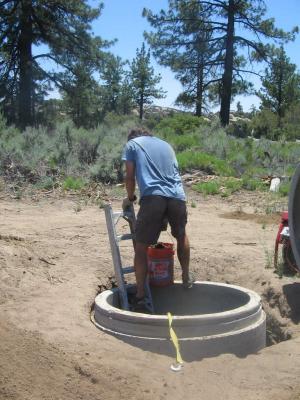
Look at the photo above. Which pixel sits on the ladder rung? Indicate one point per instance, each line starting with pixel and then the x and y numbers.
pixel 127 270
pixel 126 236
pixel 117 214
pixel 127 215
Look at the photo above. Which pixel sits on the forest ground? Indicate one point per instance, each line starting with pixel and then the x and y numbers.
pixel 54 256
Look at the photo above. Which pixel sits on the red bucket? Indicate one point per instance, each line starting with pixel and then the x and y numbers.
pixel 161 264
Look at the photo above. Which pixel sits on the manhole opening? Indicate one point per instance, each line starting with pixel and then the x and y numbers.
pixel 201 299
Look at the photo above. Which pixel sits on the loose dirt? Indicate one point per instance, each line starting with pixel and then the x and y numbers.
pixel 55 257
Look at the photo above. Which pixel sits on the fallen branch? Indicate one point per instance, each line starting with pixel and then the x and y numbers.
pixel 46 261
pixel 246 243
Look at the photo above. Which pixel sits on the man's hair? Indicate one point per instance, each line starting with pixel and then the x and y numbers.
pixel 137 132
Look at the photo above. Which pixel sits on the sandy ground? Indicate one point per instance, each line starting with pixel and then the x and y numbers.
pixel 54 256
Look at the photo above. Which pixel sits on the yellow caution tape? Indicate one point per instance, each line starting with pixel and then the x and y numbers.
pixel 174 339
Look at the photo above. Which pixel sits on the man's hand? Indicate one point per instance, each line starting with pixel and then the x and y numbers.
pixel 127 203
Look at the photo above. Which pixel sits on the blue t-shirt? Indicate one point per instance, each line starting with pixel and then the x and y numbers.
pixel 156 167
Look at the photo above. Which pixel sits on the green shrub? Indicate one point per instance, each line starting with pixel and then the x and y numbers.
pixel 214 140
pixel 184 142
pixel 232 185
pixel 43 157
pixel 256 172
pixel 291 123
pixel 72 183
pixel 196 160
pixel 224 186
pixel 238 162
pixel 3 125
pixel 252 184
pixel 193 204
pixel 65 151
pixel 107 172
pixel 46 183
pixel 87 145
pixel 265 124
pixel 178 124
pixel 284 188
pixel 152 120
pixel 240 129
pixel 113 120
pixel 211 187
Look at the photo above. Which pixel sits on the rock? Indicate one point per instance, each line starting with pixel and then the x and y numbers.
pixel 274 186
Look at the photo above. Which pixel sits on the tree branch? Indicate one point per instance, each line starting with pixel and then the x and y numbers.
pixel 212 81
pixel 247 71
pixel 252 45
pixel 47 55
pixel 56 80
pixel 4 2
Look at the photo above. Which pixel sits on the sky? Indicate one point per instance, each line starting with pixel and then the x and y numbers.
pixel 122 20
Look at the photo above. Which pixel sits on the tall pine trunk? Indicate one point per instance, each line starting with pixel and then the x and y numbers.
pixel 25 66
pixel 228 66
pixel 280 113
pixel 141 106
pixel 199 94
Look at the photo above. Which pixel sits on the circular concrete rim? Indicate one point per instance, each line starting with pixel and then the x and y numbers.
pixel 294 215
pixel 240 331
pixel 252 306
pixel 183 339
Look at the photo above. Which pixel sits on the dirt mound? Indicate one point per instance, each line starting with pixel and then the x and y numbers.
pixel 21 265
pixel 258 218
pixel 32 369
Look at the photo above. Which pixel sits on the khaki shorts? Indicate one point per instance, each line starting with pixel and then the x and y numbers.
pixel 153 210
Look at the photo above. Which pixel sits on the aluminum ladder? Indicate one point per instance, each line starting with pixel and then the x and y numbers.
pixel 112 218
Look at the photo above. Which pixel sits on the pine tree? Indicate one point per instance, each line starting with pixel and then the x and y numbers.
pixel 81 96
pixel 280 85
pixel 184 42
pixel 63 27
pixel 126 96
pixel 112 76
pixel 249 16
pixel 239 108
pixel 222 19
pixel 144 81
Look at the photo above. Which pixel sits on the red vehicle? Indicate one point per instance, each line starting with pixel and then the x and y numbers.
pixel 283 238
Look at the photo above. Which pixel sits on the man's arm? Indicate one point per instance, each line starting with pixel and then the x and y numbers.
pixel 130 179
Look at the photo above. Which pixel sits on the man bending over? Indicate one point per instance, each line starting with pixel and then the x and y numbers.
pixel 151 162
